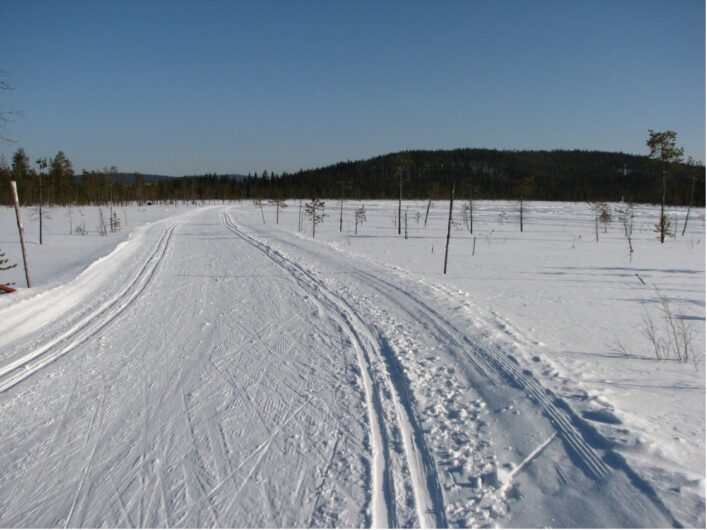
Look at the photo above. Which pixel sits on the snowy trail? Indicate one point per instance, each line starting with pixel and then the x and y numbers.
pixel 227 373
pixel 580 439
pixel 218 397
pixel 426 490
pixel 493 360
pixel 17 370
pixel 406 318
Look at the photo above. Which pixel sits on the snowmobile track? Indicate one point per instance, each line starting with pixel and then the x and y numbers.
pixel 377 369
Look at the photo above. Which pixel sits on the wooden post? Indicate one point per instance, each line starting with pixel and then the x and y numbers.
pixel 449 228
pixel 40 208
pixel 400 201
pixel 42 163
pixel 662 200
pixel 21 228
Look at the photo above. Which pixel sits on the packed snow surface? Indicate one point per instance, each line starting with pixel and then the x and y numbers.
pixel 216 365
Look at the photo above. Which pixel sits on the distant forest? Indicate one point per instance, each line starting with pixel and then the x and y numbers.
pixel 485 173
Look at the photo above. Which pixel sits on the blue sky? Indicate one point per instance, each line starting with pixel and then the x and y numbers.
pixel 184 87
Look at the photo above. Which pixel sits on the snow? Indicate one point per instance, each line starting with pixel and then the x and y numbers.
pixel 203 368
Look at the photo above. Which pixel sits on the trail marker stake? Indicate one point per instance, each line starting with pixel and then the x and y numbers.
pixel 21 228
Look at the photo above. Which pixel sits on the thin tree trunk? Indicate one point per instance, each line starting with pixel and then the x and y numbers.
pixel 471 212
pixel 662 203
pixel 689 206
pixel 41 225
pixel 400 203
pixel 449 228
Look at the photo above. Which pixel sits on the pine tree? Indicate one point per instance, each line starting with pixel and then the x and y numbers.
pixel 62 175
pixel 359 218
pixel 314 210
pixel 21 173
pixel 626 217
pixel 605 215
pixel 662 148
pixel 278 201
pixel 114 221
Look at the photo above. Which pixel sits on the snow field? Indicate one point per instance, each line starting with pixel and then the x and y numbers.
pixel 188 422
pixel 560 302
pixel 345 382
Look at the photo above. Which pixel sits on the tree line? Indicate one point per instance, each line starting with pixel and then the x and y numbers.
pixel 560 175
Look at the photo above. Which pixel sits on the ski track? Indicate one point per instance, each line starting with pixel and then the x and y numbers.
pixel 497 362
pixel 205 486
pixel 373 361
pixel 17 371
pixel 498 367
pixel 577 434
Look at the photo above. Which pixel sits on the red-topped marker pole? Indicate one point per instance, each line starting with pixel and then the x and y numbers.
pixel 21 228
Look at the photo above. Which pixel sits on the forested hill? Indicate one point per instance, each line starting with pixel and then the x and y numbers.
pixel 485 173
pixel 555 175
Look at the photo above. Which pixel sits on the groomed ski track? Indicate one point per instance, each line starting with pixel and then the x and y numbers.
pixel 427 494
pixel 232 375
pixel 18 370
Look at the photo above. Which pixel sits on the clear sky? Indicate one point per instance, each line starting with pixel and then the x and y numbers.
pixel 185 87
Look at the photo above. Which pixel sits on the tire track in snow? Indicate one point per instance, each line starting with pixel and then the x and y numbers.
pixel 20 369
pixel 426 490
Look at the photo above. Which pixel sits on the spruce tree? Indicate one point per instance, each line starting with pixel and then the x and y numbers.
pixel 21 173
